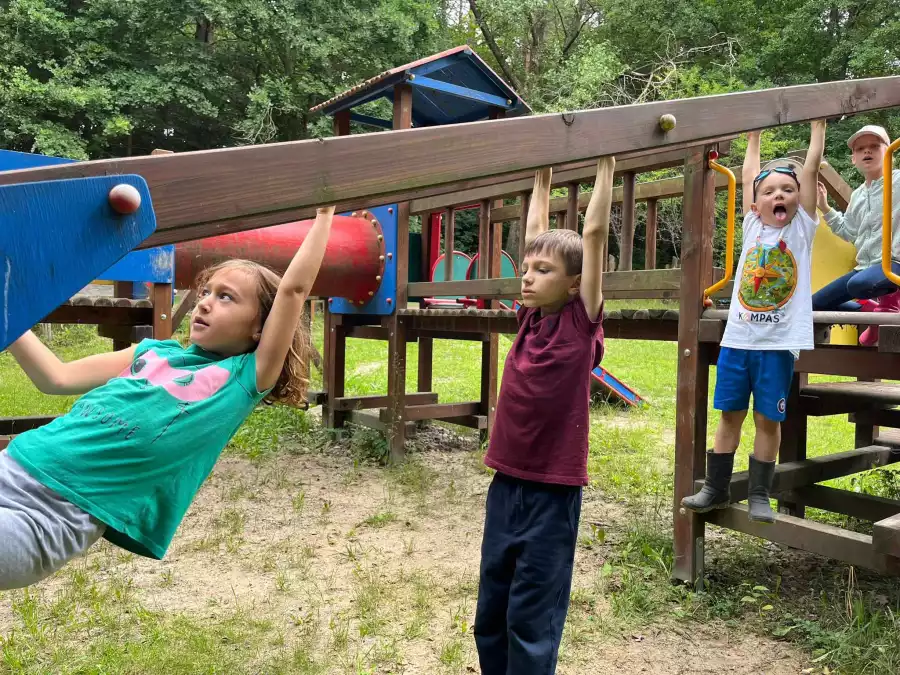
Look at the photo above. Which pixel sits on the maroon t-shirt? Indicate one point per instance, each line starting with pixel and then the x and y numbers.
pixel 541 426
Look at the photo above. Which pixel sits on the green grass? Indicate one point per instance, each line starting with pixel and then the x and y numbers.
pixel 848 625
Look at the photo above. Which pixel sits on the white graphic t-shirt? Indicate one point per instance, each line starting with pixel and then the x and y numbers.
pixel 771 305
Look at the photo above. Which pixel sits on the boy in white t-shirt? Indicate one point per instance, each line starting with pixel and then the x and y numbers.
pixel 769 322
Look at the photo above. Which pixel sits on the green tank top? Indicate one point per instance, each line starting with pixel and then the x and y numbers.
pixel 135 451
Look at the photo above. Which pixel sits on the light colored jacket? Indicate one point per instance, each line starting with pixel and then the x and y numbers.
pixel 861 224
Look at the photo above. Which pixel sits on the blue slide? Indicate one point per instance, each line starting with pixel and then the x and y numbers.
pixel 604 382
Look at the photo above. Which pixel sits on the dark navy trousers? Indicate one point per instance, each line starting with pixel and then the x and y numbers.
pixel 527 556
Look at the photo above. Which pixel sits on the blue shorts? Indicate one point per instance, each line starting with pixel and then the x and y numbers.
pixel 766 374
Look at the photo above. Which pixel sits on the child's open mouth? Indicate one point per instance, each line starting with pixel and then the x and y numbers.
pixel 780 213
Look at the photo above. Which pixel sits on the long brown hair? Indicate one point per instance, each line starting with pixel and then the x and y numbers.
pixel 293 381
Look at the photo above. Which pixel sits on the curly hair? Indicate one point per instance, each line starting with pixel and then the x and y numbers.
pixel 293 382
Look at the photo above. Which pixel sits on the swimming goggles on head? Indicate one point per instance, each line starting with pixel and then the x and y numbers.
pixel 786 170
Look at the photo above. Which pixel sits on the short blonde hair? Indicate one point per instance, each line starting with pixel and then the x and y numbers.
pixel 566 244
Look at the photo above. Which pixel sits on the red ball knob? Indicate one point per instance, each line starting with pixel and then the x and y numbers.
pixel 125 199
pixel 714 154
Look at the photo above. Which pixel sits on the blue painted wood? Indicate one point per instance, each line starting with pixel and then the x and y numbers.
pixel 371 121
pixel 378 304
pixel 156 264
pixel 439 64
pixel 11 160
pixel 153 265
pixel 55 238
pixel 461 92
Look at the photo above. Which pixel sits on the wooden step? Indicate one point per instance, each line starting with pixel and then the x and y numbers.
pixel 808 535
pixel 792 475
pixel 834 398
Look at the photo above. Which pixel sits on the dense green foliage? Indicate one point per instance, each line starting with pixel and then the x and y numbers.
pixel 102 78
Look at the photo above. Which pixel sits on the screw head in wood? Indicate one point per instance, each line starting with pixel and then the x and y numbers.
pixel 390 256
pixel 124 199
pixel 687 352
pixel 391 209
pixel 365 214
pixel 330 299
pixel 380 238
pixel 354 214
pixel 389 301
pixel 682 511
pixel 378 278
pixel 381 258
pixel 163 316
pixel 667 122
pixel 371 293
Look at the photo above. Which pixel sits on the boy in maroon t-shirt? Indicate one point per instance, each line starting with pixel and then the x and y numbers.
pixel 539 444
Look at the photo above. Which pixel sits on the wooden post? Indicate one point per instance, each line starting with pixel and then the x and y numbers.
pixel 161 296
pixel 396 425
pixel 426 345
pixel 449 243
pixel 793 438
pixel 627 246
pixel 123 289
pixel 524 201
pixel 561 221
pixel 484 239
pixel 572 207
pixel 489 268
pixel 334 343
pixel 694 360
pixel 650 237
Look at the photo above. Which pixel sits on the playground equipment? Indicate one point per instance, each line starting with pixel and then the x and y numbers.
pixel 432 171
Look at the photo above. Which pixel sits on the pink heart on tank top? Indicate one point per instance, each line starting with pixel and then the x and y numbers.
pixel 189 386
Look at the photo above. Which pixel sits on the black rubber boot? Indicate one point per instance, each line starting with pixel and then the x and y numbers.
pixel 716 493
pixel 761 476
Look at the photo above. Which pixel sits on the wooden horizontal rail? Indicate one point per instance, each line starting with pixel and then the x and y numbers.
pixel 831 318
pixel 808 535
pixel 435 411
pixel 369 402
pixel 197 194
pixel 620 283
pixel 869 393
pixel 514 184
pixel 93 314
pixel 666 188
pixel 10 426
pixel 886 536
pixel 845 502
pixel 792 475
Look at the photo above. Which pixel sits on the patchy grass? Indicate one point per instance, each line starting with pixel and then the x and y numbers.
pixel 354 579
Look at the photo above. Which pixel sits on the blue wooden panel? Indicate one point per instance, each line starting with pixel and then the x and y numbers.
pixel 13 161
pixel 378 304
pixel 461 92
pixel 55 238
pixel 154 265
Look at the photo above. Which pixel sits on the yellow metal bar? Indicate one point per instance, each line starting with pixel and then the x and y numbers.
pixel 887 235
pixel 729 238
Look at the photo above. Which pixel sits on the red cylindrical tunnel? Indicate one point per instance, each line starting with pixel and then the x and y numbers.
pixel 352 267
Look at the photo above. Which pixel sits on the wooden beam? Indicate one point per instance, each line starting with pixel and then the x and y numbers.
pixel 808 535
pixel 886 536
pixel 845 502
pixel 162 311
pixel 835 185
pixel 510 287
pixel 626 243
pixel 368 402
pixel 509 185
pixel 10 426
pixel 95 314
pixel 650 236
pixel 793 475
pixel 185 305
pixel 666 188
pixel 436 411
pixel 208 192
pixel 849 361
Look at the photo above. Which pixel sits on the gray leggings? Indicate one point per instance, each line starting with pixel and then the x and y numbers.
pixel 39 530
